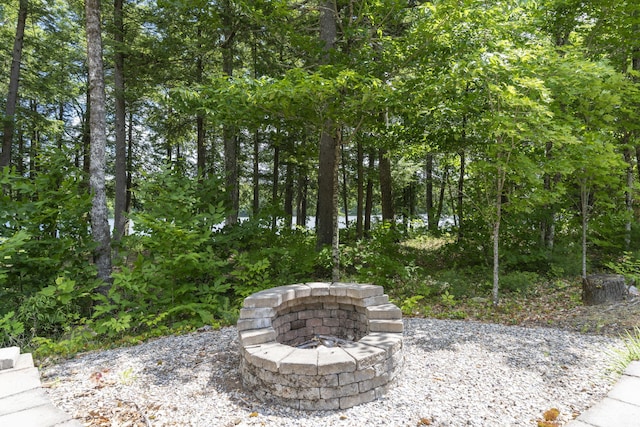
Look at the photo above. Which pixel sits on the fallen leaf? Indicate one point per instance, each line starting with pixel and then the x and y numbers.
pixel 551 414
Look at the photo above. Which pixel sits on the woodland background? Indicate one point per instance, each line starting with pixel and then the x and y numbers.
pixel 481 149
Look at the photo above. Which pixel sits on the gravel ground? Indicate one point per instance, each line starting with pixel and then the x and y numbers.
pixel 456 373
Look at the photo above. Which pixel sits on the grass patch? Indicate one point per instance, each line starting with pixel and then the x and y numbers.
pixel 628 353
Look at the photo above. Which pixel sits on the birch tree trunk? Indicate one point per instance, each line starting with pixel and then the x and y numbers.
pixel 98 139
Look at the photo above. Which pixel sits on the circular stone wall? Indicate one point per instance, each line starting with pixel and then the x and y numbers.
pixel 360 365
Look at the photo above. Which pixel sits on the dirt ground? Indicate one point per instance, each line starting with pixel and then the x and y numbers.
pixel 613 319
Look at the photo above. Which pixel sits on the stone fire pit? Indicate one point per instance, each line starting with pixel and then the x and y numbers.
pixel 320 346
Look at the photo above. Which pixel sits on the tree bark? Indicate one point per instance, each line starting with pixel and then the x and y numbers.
pixel 288 196
pixel 14 79
pixel 360 190
pixel 459 208
pixel 584 211
pixel 496 236
pixel 386 193
pixel 120 204
pixel 328 147
pixel 345 191
pixel 628 192
pixel 368 205
pixel 229 131
pixel 429 188
pixel 276 179
pixel 443 185
pixel 327 177
pixel 201 152
pixel 301 199
pixel 97 126
pixel 601 288
pixel 256 173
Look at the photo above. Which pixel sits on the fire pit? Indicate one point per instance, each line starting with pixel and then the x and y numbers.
pixel 320 346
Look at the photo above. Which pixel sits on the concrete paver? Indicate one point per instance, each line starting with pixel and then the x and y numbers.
pixel 23 402
pixel 621 407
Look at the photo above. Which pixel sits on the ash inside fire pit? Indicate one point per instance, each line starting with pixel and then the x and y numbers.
pixel 320 346
pixel 325 341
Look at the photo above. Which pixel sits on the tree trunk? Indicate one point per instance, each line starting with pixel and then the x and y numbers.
pixel 547 223
pixel 97 126
pixel 443 185
pixel 328 147
pixel 120 203
pixel 86 135
pixel 459 208
pixel 276 179
pixel 628 192
pixel 601 288
pixel 288 196
pixel 345 193
pixel 14 79
pixel 129 166
pixel 301 199
pixel 368 205
pixel 584 211
pixel 384 167
pixel 229 131
pixel 201 152
pixel 335 245
pixel 496 237
pixel 360 190
pixel 429 185
pixel 327 177
pixel 256 173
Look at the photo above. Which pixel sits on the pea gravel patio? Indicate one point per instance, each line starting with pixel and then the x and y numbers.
pixel 456 373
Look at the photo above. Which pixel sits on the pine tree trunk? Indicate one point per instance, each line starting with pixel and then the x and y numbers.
pixel 256 173
pixel 228 131
pixel 120 219
pixel 14 79
pixel 384 167
pixel 288 196
pixel 328 161
pixel 97 127
pixel 301 199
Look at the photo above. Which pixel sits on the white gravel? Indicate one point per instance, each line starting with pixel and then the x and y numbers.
pixel 456 373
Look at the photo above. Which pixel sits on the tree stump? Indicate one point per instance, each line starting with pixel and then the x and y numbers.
pixel 600 288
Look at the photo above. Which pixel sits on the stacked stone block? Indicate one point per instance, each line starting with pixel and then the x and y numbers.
pixel 274 321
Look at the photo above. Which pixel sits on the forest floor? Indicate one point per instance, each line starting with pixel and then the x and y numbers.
pixel 556 307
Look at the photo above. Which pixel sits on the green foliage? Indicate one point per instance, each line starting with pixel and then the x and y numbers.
pixel 10 249
pixel 629 266
pixel 177 275
pixel 518 281
pixel 630 351
pixel 11 330
pixel 410 306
